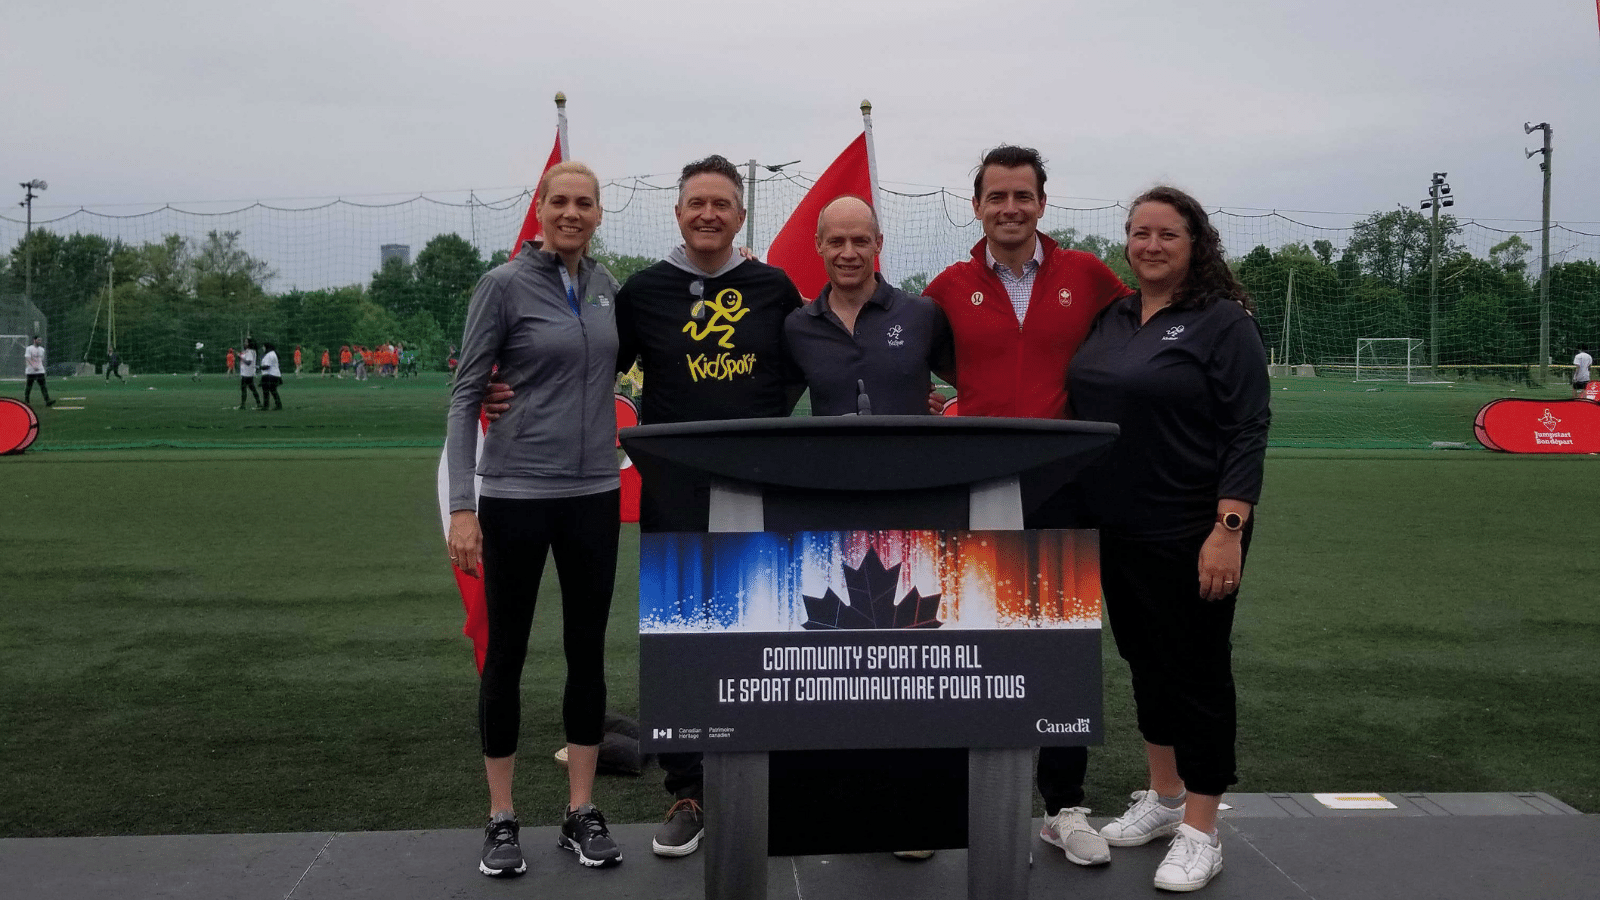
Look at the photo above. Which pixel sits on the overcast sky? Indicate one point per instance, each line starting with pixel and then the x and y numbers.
pixel 1272 104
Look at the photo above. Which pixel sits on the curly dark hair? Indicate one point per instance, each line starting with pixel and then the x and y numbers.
pixel 1209 277
pixel 1009 156
pixel 715 164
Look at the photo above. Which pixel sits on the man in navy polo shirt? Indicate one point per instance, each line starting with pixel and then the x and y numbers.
pixel 864 345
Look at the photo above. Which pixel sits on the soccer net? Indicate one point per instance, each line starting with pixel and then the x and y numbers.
pixel 1392 359
pixel 322 275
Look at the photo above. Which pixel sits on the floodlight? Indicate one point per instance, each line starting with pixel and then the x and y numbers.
pixel 1449 202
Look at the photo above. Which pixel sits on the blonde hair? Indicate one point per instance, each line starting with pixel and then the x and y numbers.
pixel 570 167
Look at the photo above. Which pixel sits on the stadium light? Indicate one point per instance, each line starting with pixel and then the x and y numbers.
pixel 1544 250
pixel 1438 196
pixel 28 195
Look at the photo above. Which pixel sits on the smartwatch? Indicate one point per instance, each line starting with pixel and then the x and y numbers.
pixel 1231 521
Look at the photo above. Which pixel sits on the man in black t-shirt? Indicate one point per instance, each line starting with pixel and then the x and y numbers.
pixel 706 326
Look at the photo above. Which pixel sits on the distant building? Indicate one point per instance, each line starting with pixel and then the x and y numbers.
pixel 401 252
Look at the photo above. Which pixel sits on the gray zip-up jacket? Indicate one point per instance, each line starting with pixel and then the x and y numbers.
pixel 562 367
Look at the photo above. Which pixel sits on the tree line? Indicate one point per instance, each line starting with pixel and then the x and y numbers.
pixel 174 292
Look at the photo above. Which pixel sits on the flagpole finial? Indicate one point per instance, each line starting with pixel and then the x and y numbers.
pixel 561 100
pixel 866 107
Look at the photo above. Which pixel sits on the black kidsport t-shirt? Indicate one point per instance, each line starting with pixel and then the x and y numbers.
pixel 711 348
pixel 1189 389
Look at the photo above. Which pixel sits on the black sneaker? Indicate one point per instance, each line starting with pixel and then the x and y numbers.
pixel 680 834
pixel 584 833
pixel 502 855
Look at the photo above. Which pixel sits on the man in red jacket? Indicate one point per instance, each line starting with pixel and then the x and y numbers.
pixel 1019 308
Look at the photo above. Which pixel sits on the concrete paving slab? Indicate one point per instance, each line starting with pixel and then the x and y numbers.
pixel 173 867
pixel 1418 858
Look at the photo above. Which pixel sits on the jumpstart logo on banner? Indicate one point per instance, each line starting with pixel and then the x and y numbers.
pixel 869 639
pixel 1539 426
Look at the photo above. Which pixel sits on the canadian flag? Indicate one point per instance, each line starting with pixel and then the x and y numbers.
pixel 794 250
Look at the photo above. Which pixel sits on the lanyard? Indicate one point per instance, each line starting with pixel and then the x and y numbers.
pixel 572 295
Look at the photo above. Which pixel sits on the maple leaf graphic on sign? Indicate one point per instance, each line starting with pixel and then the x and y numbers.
pixel 872 602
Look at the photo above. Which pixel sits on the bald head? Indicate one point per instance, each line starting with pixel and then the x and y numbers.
pixel 847 211
pixel 849 242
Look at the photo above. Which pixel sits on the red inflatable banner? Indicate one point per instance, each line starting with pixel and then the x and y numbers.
pixel 1539 426
pixel 19 426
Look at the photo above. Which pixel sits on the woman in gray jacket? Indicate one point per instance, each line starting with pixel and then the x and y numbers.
pixel 545 323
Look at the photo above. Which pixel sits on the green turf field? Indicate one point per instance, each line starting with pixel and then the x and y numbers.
pixel 260 633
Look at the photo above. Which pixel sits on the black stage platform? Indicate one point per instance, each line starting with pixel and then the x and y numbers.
pixel 1289 846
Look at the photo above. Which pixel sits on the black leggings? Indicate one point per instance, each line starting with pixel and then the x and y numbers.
pixel 251 384
pixel 581 532
pixel 1180 651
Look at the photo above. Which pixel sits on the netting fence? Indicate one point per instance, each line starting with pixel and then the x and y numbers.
pixel 154 282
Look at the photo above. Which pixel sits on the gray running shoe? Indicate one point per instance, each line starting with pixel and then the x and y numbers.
pixel 584 832
pixel 502 856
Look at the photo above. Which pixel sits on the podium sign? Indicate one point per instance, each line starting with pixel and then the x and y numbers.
pixel 869 639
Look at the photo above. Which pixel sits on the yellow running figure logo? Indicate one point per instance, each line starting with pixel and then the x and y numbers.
pixel 726 308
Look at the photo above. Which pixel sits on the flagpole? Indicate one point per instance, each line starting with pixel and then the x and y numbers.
pixel 872 153
pixel 561 125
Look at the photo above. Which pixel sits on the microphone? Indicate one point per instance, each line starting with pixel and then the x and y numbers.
pixel 863 402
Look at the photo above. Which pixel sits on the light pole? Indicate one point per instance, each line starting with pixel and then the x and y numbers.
pixel 1438 195
pixel 750 198
pixel 28 195
pixel 1544 252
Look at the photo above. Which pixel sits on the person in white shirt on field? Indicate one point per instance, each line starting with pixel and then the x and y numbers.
pixel 1580 371
pixel 33 367
pixel 271 377
pixel 247 373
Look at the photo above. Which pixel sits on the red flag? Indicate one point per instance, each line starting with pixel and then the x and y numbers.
pixel 473 601
pixel 794 250
pixel 530 224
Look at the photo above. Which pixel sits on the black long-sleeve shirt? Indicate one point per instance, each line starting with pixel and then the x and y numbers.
pixel 1189 389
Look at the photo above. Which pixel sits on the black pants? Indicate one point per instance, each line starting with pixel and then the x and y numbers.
pixel 1180 650
pixel 27 392
pixel 581 532
pixel 249 383
pixel 269 391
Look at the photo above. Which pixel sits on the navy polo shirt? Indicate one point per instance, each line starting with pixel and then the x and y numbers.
pixel 1189 389
pixel 898 340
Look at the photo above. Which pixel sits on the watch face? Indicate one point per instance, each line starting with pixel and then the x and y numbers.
pixel 1233 521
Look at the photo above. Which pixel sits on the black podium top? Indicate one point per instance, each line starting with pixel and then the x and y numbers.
pixel 868 453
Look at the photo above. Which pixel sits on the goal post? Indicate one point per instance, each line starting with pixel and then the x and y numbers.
pixel 1391 359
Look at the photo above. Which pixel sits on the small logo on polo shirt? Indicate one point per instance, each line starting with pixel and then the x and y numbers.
pixel 894 337
pixel 1173 332
pixel 602 301
pixel 977 297
pixel 1065 296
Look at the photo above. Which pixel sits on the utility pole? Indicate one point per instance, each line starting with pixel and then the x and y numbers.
pixel 1544 253
pixel 28 197
pixel 1438 195
pixel 750 198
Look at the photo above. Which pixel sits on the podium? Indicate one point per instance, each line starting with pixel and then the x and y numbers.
pixel 871 472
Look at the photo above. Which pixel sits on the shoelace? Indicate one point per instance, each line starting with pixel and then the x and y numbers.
pixel 688 803
pixel 591 822
pixel 1188 848
pixel 503 832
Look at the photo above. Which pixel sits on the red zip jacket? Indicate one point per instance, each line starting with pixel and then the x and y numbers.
pixel 1020 371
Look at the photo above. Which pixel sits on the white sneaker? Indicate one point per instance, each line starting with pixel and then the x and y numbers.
pixel 1145 820
pixel 1070 830
pixel 1192 861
